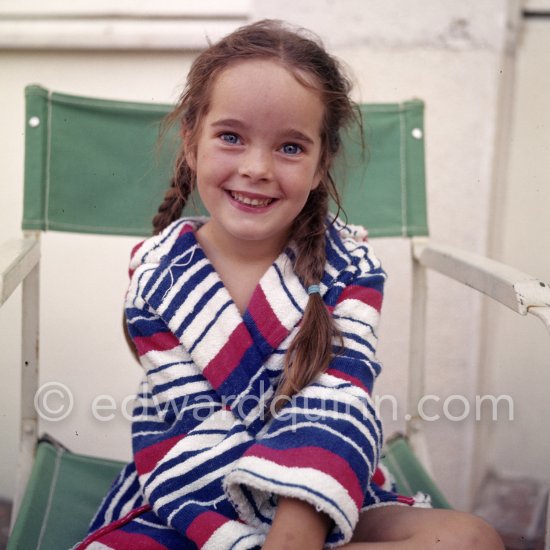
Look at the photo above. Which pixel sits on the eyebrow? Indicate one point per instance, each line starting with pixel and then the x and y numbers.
pixel 292 133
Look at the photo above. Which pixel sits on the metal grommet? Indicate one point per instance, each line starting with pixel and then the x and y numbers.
pixel 416 133
pixel 34 122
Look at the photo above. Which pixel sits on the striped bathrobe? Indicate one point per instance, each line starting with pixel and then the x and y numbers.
pixel 210 460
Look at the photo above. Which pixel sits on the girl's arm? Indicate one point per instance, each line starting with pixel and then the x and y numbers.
pixel 323 445
pixel 297 526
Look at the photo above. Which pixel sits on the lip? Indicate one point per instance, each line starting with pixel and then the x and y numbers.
pixel 249 208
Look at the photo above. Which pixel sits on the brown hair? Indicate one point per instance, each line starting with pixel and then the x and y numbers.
pixel 311 350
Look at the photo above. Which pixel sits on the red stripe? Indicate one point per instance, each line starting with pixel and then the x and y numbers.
pixel 96 535
pixel 160 341
pixel 136 248
pixel 265 319
pixel 405 500
pixel 314 457
pixel 132 254
pixel 368 296
pixel 148 458
pixel 348 378
pixel 204 526
pixel 228 357
pixel 378 477
pixel 121 540
pixel 187 228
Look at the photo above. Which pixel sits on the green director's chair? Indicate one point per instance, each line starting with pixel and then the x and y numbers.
pixel 65 136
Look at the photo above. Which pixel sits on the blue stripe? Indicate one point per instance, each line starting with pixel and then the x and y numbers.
pixel 285 289
pixel 210 324
pixel 250 498
pixel 165 366
pixel 206 297
pixel 164 236
pixel 140 284
pixel 359 340
pixel 183 381
pixel 358 322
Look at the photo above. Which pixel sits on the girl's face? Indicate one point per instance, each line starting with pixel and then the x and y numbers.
pixel 257 154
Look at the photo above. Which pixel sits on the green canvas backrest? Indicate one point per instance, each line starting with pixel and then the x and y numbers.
pixel 96 166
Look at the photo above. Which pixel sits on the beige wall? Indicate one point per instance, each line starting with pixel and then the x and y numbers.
pixel 448 53
pixel 518 349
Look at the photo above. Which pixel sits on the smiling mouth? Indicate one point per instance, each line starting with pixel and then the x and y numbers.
pixel 248 201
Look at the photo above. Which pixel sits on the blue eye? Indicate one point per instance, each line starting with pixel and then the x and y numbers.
pixel 291 149
pixel 232 139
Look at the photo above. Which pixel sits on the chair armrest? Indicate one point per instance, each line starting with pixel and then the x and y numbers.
pixel 17 258
pixel 509 286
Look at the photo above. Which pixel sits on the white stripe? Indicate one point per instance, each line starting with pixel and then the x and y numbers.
pixel 403 172
pixel 227 535
pixel 218 334
pixel 130 505
pixel 117 496
pixel 176 369
pixel 155 358
pixel 140 278
pixel 283 306
pixel 48 162
pixel 355 326
pixel 351 307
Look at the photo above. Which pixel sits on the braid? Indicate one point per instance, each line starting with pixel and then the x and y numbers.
pixel 311 350
pixel 175 198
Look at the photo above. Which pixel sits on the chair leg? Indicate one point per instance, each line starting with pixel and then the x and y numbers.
pixel 29 385
pixel 417 359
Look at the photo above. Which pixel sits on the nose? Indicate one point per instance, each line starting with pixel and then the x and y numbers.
pixel 256 164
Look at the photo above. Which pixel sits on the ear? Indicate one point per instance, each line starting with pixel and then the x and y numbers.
pixel 191 159
pixel 321 173
pixel 189 151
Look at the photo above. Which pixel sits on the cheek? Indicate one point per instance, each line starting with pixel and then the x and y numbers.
pixel 213 171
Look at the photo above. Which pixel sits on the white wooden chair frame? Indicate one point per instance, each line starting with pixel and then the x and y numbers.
pixel 20 263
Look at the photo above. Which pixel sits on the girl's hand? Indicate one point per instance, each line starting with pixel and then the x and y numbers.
pixel 297 526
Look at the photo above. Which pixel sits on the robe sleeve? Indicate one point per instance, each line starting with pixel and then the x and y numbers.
pixel 182 436
pixel 325 443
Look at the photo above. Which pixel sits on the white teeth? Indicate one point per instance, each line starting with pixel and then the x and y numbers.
pixel 250 202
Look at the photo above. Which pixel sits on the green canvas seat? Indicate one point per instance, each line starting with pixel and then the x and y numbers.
pixel 87 159
pixel 65 490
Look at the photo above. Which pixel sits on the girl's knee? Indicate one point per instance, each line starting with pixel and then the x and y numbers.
pixel 426 529
pixel 467 531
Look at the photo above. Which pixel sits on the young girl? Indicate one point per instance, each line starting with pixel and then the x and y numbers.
pixel 256 327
